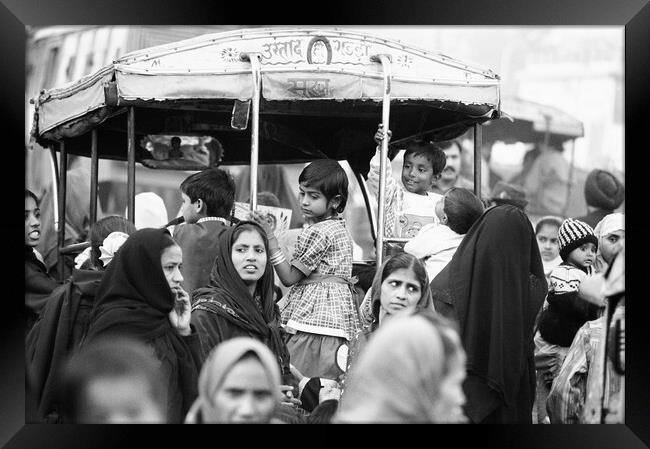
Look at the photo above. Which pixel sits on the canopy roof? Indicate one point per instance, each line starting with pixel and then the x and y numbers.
pixel 528 121
pixel 321 95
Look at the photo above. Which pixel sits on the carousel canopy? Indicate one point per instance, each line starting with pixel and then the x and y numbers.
pixel 321 93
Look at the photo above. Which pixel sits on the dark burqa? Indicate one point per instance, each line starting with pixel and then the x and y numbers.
pixel 55 335
pixel 226 309
pixel 494 286
pixel 38 286
pixel 134 299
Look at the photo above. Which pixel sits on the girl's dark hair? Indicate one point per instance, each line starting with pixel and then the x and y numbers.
pixel 462 208
pixel 401 261
pixel 323 412
pixel 548 220
pixel 101 229
pixel 430 150
pixel 107 358
pixel 328 176
pixel 30 194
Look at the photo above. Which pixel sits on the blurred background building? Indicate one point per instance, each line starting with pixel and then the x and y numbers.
pixel 576 69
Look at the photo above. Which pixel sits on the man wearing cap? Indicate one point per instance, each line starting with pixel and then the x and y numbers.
pixel 603 193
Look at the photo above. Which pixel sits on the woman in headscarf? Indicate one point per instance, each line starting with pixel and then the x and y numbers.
pixel 411 372
pixel 239 383
pixel 400 288
pixel 150 211
pixel 64 319
pixel 610 232
pixel 239 300
pixel 140 297
pixel 493 287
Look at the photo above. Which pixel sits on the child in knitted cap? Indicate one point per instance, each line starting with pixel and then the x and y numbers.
pixel 565 312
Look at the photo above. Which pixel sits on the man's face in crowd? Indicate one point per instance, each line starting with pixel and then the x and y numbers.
pixel 452 168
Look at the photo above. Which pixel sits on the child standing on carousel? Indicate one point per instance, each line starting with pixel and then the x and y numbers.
pixel 319 314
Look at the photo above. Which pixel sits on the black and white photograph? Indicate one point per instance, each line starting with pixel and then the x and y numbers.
pixel 325 224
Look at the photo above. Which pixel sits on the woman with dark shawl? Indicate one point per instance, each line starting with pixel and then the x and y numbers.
pixel 62 324
pixel 239 300
pixel 493 287
pixel 140 297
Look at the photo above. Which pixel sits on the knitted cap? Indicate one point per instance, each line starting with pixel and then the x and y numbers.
pixel 572 234
pixel 603 190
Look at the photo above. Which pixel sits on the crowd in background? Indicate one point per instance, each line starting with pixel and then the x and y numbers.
pixel 483 316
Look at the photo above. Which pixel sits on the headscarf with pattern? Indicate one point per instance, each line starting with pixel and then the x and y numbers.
pixel 228 296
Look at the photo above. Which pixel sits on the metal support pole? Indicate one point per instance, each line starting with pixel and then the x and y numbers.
pixel 383 159
pixel 478 162
pixel 570 182
pixel 547 131
pixel 370 208
pixel 55 186
pixel 256 67
pixel 131 166
pixel 63 176
pixel 94 166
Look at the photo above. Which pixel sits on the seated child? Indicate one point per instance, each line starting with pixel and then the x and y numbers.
pixel 208 199
pixel 435 244
pixel 423 163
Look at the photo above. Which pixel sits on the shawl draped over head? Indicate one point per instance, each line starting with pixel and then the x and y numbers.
pixel 495 284
pixel 134 299
pixel 227 296
pixel 610 223
pixel 134 296
pixel 425 302
pixel 150 211
pixel 397 377
pixel 220 362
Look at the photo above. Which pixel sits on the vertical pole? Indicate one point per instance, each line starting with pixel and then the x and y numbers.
pixel 62 191
pixel 383 159
pixel 547 131
pixel 570 181
pixel 93 177
pixel 131 166
pixel 55 186
pixel 478 162
pixel 256 67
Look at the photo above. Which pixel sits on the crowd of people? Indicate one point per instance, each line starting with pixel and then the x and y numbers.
pixel 478 318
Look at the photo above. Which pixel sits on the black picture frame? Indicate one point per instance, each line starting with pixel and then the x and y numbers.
pixel 634 15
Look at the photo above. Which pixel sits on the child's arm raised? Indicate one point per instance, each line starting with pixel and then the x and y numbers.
pixel 288 274
pixel 373 174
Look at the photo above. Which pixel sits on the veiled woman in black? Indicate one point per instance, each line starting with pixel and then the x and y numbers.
pixel 494 286
pixel 239 300
pixel 140 297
